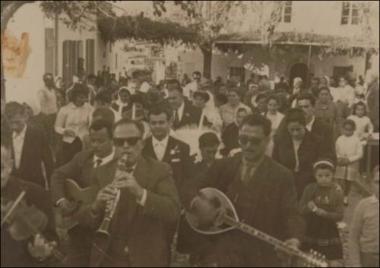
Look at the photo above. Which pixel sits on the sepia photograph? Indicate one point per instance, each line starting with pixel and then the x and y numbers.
pixel 190 134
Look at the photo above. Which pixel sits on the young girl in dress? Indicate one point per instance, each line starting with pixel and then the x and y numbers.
pixel 349 152
pixel 275 117
pixel 364 127
pixel 321 206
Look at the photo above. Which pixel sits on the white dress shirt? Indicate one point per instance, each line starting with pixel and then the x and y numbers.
pixel 48 101
pixel 104 160
pixel 159 147
pixel 309 126
pixel 180 111
pixel 74 118
pixel 189 89
pixel 18 145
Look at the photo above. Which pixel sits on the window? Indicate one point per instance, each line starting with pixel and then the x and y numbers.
pixel 90 56
pixel 350 13
pixel 286 12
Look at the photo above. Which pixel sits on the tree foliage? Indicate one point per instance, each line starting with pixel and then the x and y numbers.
pixel 143 28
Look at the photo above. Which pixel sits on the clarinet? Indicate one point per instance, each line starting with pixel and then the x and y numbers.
pixel 106 223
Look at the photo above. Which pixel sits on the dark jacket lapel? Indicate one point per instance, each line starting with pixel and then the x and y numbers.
pixel 258 181
pixel 148 148
pixel 171 144
pixel 28 141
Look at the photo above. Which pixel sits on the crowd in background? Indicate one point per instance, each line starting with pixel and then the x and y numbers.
pixel 324 118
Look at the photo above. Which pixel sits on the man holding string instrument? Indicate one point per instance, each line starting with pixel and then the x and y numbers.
pixel 264 196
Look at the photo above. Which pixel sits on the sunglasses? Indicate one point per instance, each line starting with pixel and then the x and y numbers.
pixel 244 140
pixel 132 141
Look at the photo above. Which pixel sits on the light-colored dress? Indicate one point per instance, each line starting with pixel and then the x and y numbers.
pixel 276 121
pixel 351 148
pixel 364 126
pixel 74 118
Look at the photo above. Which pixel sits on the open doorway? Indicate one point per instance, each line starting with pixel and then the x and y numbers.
pixel 299 70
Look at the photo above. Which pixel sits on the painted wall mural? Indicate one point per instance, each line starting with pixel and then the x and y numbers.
pixel 15 53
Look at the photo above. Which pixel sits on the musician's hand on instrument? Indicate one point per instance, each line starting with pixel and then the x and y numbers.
pixel 40 248
pixel 67 206
pixel 321 212
pixel 106 194
pixel 293 243
pixel 131 185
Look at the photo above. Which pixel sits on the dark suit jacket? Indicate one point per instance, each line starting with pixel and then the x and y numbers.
pixel 177 155
pixel 143 230
pixel 15 253
pixel 267 202
pixel 310 150
pixel 324 133
pixel 81 169
pixel 191 116
pixel 230 138
pixel 35 152
pixel 320 131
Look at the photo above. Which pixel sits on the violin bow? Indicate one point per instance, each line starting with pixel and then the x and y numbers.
pixel 14 205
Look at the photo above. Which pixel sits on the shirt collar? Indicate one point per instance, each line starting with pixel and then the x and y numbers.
pixel 163 142
pixel 21 134
pixel 106 159
pixel 181 109
pixel 252 164
pixel 309 126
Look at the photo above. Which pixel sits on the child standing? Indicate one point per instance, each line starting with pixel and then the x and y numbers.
pixel 275 117
pixel 364 233
pixel 322 207
pixel 364 127
pixel 349 151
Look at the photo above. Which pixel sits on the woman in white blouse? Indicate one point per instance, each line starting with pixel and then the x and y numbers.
pixel 72 123
pixel 275 117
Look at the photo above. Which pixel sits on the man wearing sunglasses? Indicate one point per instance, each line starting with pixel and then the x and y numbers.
pixel 264 196
pixel 148 206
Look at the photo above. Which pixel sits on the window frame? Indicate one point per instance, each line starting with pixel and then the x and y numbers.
pixel 348 18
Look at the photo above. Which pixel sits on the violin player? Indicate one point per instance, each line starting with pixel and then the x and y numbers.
pixel 34 251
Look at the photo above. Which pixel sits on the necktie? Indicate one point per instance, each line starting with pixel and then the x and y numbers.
pixel 98 162
pixel 246 172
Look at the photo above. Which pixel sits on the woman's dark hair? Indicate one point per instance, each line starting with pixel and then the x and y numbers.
pixel 273 97
pixel 78 90
pixel 295 115
pixel 307 96
pixel 103 124
pixel 161 109
pixel 208 139
pixel 262 96
pixel 356 105
pixel 349 122
pixel 258 120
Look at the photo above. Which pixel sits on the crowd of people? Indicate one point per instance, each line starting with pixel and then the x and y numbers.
pixel 286 154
